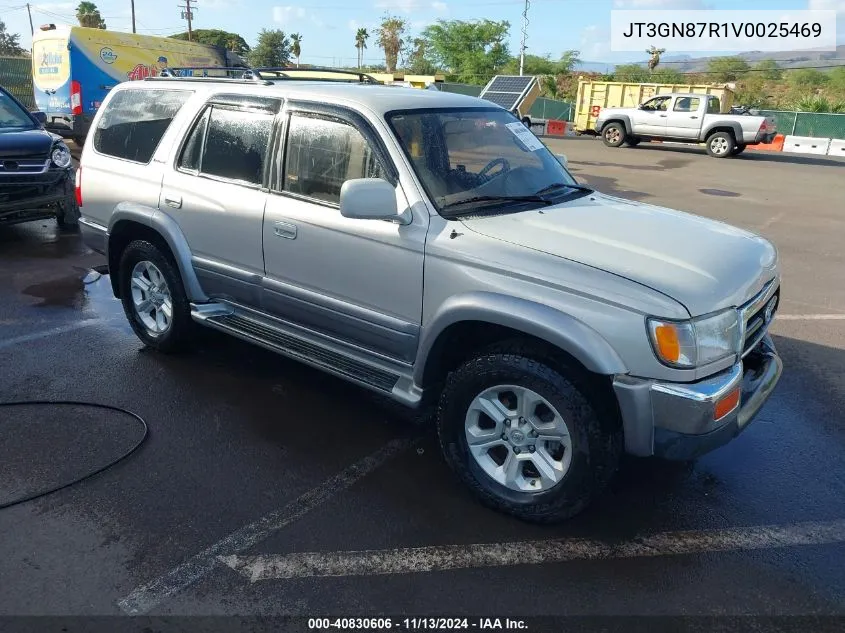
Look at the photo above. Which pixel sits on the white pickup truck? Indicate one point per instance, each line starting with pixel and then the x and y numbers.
pixel 687 118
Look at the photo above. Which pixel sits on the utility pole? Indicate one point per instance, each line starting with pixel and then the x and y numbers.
pixel 29 11
pixel 132 2
pixel 522 45
pixel 188 14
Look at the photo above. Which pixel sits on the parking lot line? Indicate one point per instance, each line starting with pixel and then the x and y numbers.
pixel 148 596
pixel 446 557
pixel 26 338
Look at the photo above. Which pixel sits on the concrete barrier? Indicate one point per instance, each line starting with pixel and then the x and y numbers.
pixel 555 127
pixel 806 145
pixel 837 147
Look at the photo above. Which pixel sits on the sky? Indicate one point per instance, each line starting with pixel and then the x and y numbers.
pixel 328 26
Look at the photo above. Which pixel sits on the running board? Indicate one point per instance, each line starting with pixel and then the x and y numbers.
pixel 251 329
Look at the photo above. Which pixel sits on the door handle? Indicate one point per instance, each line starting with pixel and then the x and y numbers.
pixel 695 116
pixel 176 203
pixel 663 116
pixel 285 230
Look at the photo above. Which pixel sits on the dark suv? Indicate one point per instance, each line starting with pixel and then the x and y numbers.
pixel 36 169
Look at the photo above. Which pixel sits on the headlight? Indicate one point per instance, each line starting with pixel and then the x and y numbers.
pixel 61 156
pixel 696 342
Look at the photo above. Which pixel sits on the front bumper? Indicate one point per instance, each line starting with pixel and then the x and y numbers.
pixel 681 418
pixel 32 196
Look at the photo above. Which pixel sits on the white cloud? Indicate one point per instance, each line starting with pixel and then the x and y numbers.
pixel 402 6
pixel 660 4
pixel 286 15
pixel 595 43
pixel 440 7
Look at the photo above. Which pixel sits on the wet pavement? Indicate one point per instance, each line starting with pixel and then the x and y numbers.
pixel 253 461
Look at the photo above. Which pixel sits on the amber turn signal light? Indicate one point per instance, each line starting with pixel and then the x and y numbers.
pixel 726 404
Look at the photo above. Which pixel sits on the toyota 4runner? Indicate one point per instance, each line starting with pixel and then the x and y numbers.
pixel 429 247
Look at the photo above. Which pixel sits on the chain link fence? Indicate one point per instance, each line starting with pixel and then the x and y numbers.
pixel 808 123
pixel 16 77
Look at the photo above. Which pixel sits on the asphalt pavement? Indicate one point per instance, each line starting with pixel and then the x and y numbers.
pixel 268 488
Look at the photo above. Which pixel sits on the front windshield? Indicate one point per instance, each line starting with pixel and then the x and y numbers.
pixel 12 116
pixel 478 155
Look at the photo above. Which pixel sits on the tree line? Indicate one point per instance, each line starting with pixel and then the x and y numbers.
pixel 474 51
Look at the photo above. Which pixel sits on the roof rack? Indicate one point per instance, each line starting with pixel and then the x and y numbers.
pixel 264 75
pixel 282 73
pixel 179 71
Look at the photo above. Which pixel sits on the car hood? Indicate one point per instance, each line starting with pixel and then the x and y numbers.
pixel 25 144
pixel 703 264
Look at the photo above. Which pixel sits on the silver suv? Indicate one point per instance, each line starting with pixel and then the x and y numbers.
pixel 428 246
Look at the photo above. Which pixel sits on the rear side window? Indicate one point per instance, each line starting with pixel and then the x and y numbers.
pixel 228 143
pixel 135 121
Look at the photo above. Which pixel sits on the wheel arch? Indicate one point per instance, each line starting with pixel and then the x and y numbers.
pixel 130 222
pixel 466 322
pixel 734 129
pixel 624 119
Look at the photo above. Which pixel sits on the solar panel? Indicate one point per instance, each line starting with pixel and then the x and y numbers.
pixel 508 91
pixel 507 100
pixel 506 83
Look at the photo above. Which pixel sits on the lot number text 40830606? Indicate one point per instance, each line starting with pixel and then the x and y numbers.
pixel 417 624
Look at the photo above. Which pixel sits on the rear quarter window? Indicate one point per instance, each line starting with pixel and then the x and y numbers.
pixel 135 121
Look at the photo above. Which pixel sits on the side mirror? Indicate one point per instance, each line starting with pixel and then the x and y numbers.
pixel 561 158
pixel 41 117
pixel 369 199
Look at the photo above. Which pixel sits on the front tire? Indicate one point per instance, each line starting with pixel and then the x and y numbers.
pixel 154 298
pixel 720 145
pixel 552 451
pixel 633 141
pixel 739 149
pixel 613 134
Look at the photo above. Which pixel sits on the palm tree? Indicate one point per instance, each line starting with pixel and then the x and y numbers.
pixel 296 46
pixel 390 39
pixel 361 37
pixel 654 60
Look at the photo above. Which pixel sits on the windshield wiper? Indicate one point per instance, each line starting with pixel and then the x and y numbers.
pixel 560 185
pixel 531 198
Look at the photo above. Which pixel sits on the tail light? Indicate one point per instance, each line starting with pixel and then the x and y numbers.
pixel 79 186
pixel 75 98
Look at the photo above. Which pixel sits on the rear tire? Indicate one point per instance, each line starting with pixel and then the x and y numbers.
pixel 739 149
pixel 568 471
pixel 720 145
pixel 154 298
pixel 613 135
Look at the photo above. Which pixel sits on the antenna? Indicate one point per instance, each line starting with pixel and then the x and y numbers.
pixel 522 45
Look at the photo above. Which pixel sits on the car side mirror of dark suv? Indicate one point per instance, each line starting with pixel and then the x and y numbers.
pixel 40 117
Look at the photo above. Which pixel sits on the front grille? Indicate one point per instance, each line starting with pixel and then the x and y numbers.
pixel 758 316
pixel 12 166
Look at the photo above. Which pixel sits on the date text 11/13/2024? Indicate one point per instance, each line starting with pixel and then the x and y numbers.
pixel 416 624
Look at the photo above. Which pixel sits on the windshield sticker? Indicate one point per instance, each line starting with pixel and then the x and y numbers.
pixel 525 136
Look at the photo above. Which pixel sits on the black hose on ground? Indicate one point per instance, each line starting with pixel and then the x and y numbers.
pixel 62 486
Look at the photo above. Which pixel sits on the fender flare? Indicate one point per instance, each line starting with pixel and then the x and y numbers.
pixel 733 125
pixel 557 328
pixel 624 119
pixel 169 230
